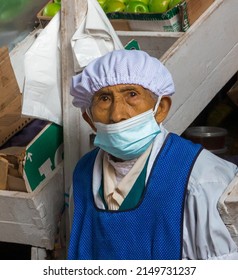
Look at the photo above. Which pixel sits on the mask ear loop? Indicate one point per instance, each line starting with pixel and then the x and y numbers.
pixel 87 110
pixel 157 105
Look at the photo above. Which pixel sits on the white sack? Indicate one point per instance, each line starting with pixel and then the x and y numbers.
pixel 94 37
pixel 42 89
pixel 228 208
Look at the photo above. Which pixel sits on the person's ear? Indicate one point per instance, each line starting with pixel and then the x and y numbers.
pixel 163 109
pixel 89 121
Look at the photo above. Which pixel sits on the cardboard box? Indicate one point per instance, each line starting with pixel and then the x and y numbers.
pixel 174 20
pixel 3 173
pixel 196 8
pixel 31 176
pixel 10 100
pixel 29 167
pixel 178 19
pixel 33 218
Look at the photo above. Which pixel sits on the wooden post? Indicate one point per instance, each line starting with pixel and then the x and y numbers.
pixel 72 14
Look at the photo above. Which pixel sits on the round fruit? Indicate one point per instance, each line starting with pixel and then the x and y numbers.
pixel 136 7
pixel 174 3
pixel 51 9
pixel 142 1
pixel 158 6
pixel 112 6
pixel 57 2
pixel 124 1
pixel 102 2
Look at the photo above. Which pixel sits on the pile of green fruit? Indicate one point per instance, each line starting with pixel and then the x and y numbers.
pixel 52 8
pixel 138 6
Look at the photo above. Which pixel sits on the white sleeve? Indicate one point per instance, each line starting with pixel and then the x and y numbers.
pixel 205 235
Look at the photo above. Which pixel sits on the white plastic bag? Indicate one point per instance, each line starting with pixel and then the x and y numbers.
pixel 42 89
pixel 94 37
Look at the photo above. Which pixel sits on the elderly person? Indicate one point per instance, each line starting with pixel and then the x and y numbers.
pixel 142 193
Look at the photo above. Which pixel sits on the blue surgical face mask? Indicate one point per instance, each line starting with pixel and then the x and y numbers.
pixel 130 138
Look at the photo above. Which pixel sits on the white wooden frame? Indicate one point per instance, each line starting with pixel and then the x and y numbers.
pixel 202 61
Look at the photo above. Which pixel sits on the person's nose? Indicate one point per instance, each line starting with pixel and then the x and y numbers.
pixel 118 111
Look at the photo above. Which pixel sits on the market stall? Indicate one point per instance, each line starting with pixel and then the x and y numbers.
pixel 200 70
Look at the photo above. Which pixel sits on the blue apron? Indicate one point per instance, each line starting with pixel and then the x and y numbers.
pixel 152 229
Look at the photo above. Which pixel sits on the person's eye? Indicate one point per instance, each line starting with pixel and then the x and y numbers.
pixel 104 98
pixel 132 93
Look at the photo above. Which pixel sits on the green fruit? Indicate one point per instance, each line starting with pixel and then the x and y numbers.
pixel 146 2
pixel 174 3
pixel 112 6
pixel 51 9
pixel 136 7
pixel 124 1
pixel 102 2
pixel 57 2
pixel 158 6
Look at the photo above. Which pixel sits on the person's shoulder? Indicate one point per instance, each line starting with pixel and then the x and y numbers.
pixel 210 161
pixel 210 168
pixel 86 159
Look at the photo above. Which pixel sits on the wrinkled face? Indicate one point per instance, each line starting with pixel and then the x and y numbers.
pixel 113 104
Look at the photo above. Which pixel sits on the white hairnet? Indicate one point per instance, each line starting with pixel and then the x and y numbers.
pixel 121 67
